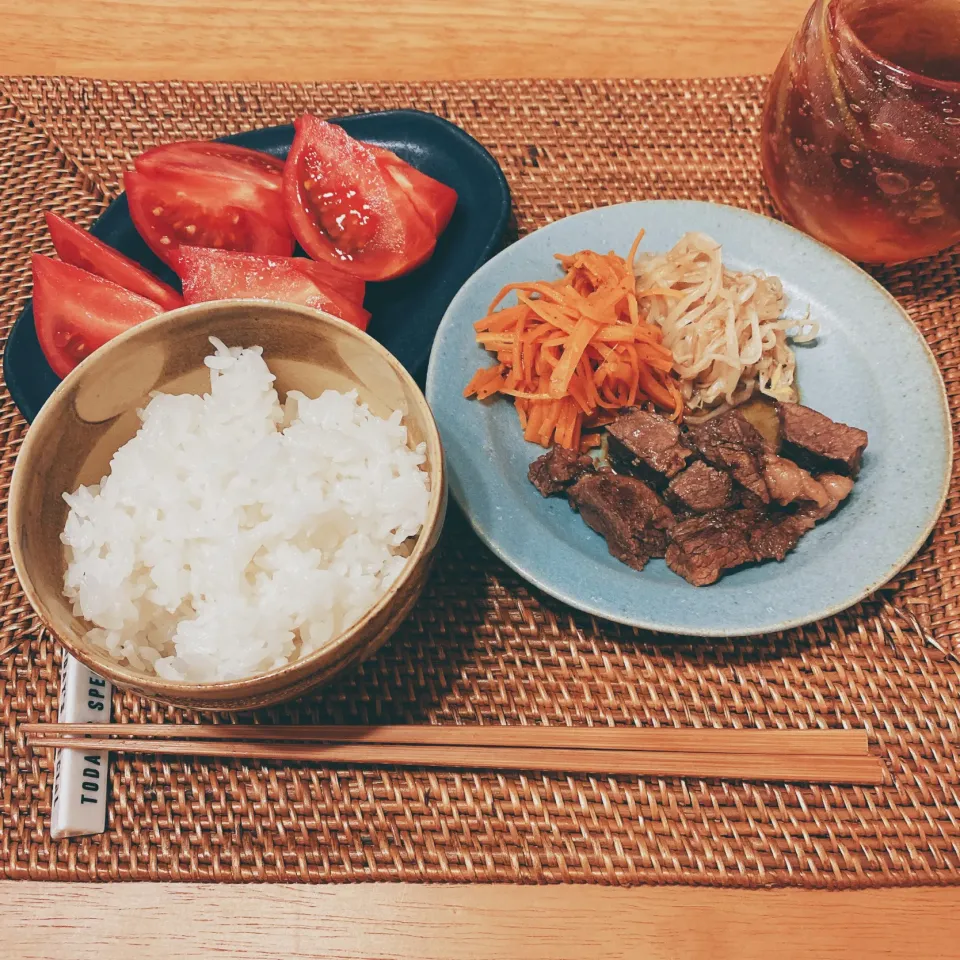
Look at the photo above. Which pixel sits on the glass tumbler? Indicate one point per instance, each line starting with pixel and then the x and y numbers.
pixel 861 128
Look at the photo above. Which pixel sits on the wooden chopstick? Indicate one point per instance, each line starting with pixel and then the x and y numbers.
pixel 833 743
pixel 779 767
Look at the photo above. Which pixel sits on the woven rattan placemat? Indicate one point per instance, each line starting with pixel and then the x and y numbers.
pixel 482 647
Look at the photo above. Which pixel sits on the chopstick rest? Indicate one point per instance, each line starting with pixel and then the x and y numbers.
pixel 80 776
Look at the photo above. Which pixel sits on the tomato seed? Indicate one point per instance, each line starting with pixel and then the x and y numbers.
pixel 72 343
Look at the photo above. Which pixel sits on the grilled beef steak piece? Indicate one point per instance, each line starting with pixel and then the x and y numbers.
pixel 703 547
pixel 787 483
pixel 838 489
pixel 560 468
pixel 647 444
pixel 775 536
pixel 732 443
pixel 818 443
pixel 700 488
pixel 626 512
pixel 738 501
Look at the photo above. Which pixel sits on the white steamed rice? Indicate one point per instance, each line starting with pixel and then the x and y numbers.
pixel 232 535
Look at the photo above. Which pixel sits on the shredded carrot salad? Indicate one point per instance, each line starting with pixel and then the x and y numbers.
pixel 574 352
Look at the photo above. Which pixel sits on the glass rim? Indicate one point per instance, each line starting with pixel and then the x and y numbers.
pixel 950 86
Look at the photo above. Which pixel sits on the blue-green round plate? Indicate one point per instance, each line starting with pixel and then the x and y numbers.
pixel 870 368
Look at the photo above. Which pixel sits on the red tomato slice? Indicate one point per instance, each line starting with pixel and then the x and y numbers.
pixel 176 207
pixel 351 288
pixel 76 312
pixel 344 209
pixel 81 249
pixel 434 201
pixel 326 277
pixel 220 159
pixel 225 275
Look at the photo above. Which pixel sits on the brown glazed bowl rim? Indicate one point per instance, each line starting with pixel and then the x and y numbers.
pixel 330 653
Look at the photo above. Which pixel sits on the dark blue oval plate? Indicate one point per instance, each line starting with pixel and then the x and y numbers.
pixel 406 311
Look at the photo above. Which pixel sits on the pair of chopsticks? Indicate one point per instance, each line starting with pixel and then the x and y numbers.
pixel 808 756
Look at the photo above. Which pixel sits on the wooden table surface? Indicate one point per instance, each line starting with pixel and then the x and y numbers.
pixel 42 921
pixel 394 39
pixel 421 40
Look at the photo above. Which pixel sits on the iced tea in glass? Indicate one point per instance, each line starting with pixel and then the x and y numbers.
pixel 861 128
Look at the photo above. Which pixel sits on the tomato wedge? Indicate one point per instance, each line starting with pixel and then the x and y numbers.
pixel 229 264
pixel 225 275
pixel 434 201
pixel 82 249
pixel 219 159
pixel 76 312
pixel 177 207
pixel 345 209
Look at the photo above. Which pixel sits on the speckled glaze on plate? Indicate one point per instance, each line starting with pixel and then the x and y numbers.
pixel 870 368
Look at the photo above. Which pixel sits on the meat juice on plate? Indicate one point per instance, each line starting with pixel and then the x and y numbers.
pixel 861 129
